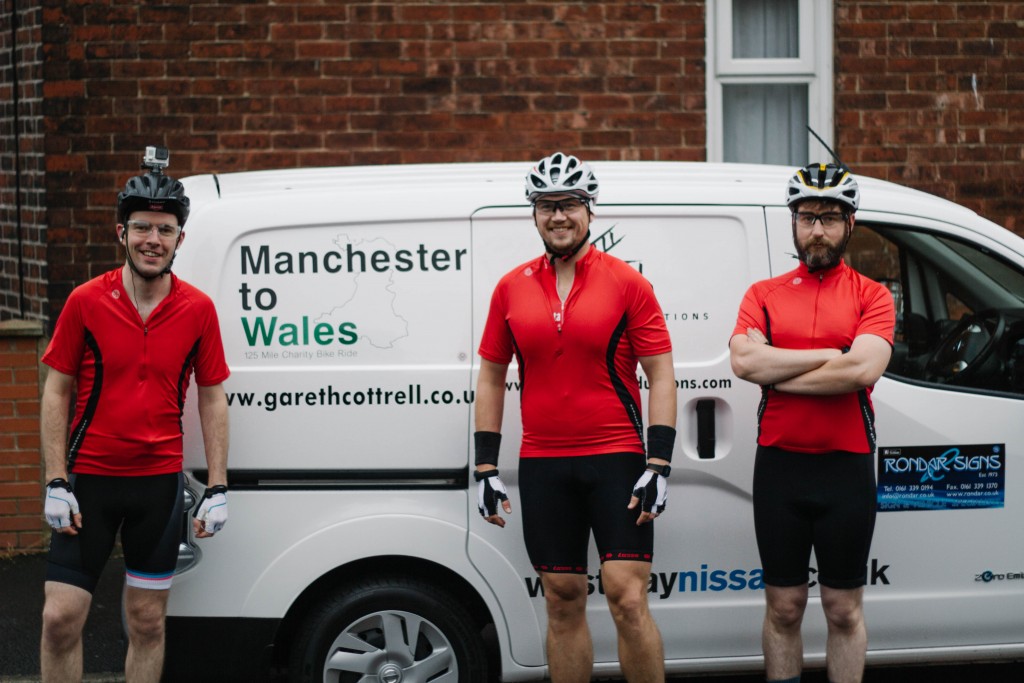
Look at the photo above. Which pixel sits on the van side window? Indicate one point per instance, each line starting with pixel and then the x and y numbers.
pixel 959 308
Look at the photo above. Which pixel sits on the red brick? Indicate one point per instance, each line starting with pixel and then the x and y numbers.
pixel 19 489
pixel 938 11
pixel 477 13
pixel 18 391
pixel 19 523
pixel 891 12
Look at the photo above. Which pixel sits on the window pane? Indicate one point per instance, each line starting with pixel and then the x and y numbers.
pixel 765 29
pixel 959 308
pixel 765 124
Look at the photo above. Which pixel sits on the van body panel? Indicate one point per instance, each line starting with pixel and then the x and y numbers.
pixel 285 554
pixel 352 301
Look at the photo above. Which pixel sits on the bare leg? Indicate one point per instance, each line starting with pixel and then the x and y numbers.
pixel 146 611
pixel 640 650
pixel 569 648
pixel 64 614
pixel 847 634
pixel 781 639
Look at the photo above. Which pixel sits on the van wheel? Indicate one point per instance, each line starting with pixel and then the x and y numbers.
pixel 389 629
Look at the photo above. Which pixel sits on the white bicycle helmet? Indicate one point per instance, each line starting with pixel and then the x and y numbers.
pixel 561 173
pixel 823 181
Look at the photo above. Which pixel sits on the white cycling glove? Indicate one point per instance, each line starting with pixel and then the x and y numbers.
pixel 61 505
pixel 652 490
pixel 213 509
pixel 490 492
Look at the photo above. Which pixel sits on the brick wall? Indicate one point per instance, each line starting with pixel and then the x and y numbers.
pixel 930 94
pixel 22 178
pixel 240 86
pixel 21 513
pixel 926 93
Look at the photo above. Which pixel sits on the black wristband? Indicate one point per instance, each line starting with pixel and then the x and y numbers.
pixel 663 470
pixel 486 474
pixel 58 482
pixel 487 445
pixel 660 440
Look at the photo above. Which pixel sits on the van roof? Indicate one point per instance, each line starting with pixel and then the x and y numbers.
pixel 466 187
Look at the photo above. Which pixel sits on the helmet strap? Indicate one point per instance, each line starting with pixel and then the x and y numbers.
pixel 566 255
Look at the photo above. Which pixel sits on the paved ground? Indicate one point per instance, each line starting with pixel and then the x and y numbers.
pixel 21 599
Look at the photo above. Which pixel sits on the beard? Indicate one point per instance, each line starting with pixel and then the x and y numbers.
pixel 566 252
pixel 820 254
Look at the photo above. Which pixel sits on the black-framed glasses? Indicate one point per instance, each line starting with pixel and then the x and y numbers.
pixel 567 205
pixel 832 219
pixel 143 228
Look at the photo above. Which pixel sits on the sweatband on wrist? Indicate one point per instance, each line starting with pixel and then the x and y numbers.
pixel 660 440
pixel 487 445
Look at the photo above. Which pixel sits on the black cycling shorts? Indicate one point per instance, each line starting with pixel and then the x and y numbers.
pixel 820 500
pixel 564 498
pixel 148 511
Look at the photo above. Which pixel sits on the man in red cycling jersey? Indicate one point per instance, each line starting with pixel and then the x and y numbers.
pixel 816 339
pixel 130 340
pixel 578 321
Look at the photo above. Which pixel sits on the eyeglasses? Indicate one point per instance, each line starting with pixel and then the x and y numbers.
pixel 806 219
pixel 143 228
pixel 568 205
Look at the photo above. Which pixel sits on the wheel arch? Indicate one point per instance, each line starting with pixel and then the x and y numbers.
pixel 439 576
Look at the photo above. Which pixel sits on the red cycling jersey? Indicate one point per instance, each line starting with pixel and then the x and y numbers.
pixel 805 310
pixel 577 360
pixel 132 376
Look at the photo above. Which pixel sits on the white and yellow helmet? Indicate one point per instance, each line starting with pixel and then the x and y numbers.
pixel 823 181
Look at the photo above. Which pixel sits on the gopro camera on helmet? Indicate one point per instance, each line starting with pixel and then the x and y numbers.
pixel 156 159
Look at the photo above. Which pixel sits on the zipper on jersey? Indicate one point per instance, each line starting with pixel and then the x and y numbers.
pixel 817 299
pixel 559 317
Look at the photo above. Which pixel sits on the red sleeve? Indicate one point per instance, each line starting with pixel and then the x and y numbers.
pixel 211 367
pixel 648 333
pixel 67 347
pixel 496 343
pixel 879 312
pixel 751 313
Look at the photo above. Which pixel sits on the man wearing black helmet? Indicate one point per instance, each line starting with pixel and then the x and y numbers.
pixel 579 321
pixel 130 340
pixel 816 339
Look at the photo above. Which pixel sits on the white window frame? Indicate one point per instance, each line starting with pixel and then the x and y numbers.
pixel 812 67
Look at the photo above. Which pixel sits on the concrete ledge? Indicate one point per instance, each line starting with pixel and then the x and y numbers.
pixel 21 328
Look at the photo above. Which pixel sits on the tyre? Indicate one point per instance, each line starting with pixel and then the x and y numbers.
pixel 389 630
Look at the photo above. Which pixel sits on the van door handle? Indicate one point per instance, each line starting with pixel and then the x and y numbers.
pixel 706 428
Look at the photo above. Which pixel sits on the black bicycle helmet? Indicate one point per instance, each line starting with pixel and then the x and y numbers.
pixel 153 191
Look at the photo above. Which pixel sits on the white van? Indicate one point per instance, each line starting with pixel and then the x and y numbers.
pixel 351 302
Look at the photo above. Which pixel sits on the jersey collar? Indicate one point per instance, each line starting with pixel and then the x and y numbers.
pixel 835 270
